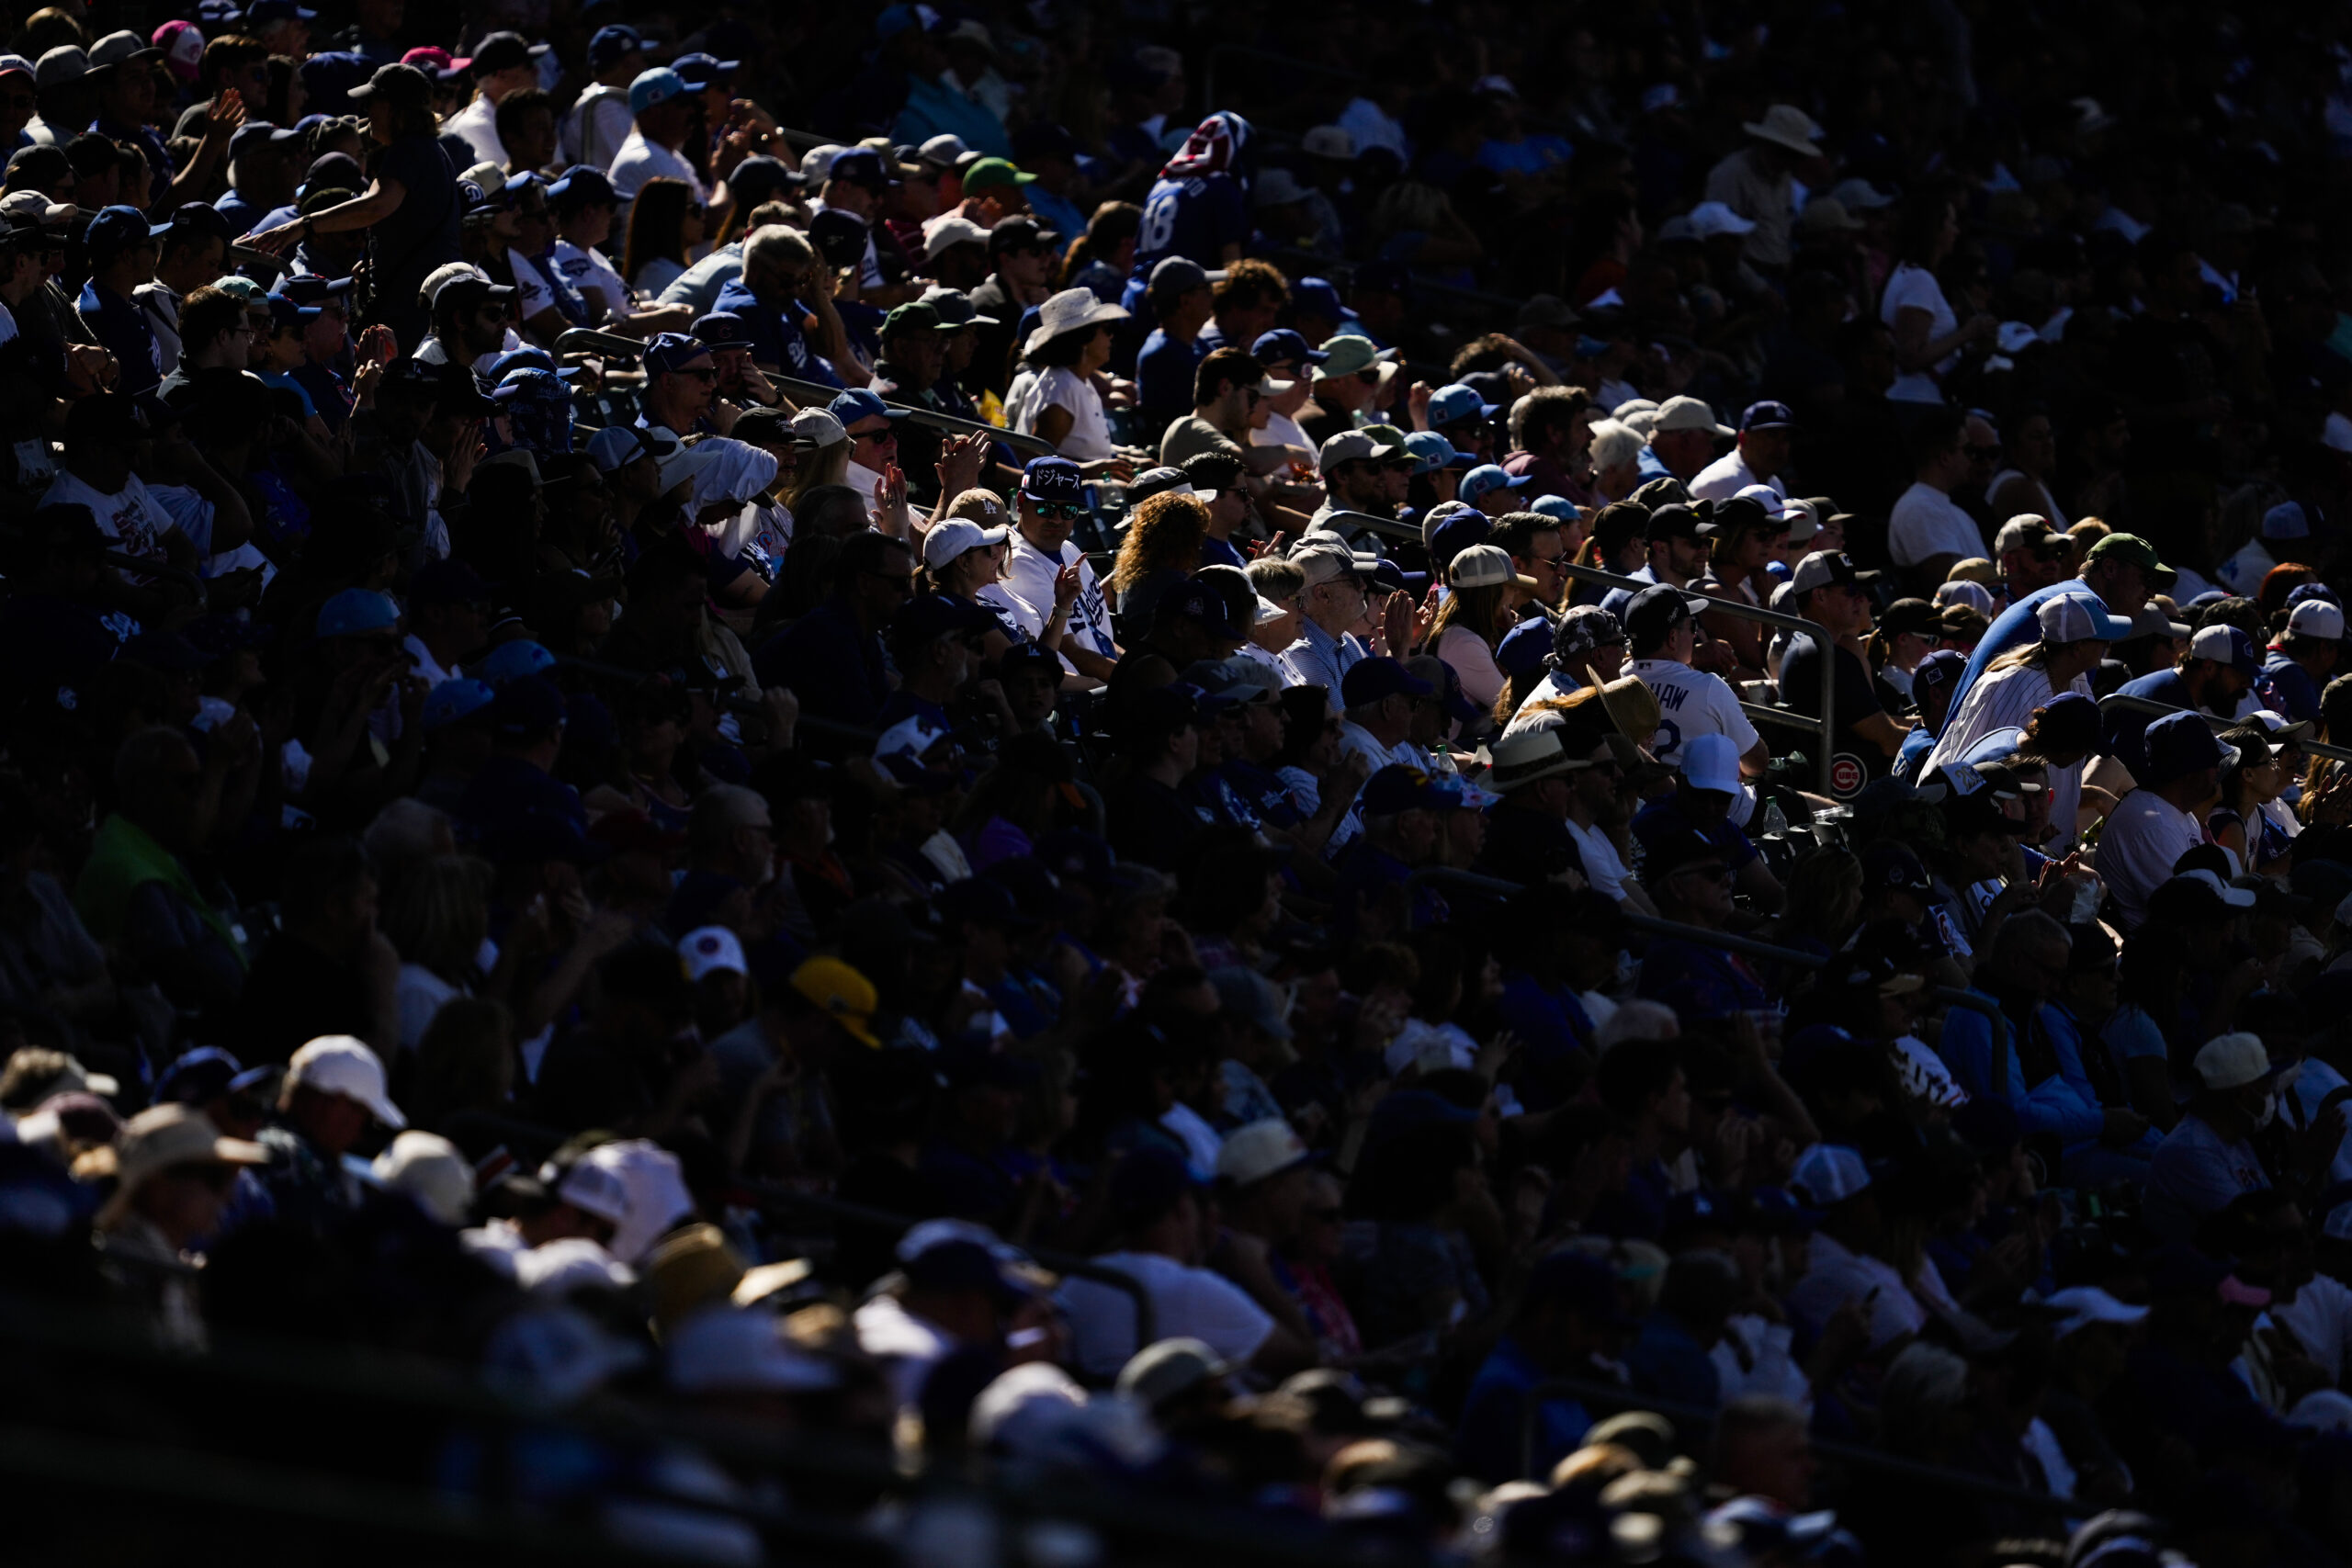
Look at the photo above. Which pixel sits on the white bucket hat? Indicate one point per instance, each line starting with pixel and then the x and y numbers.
pixel 1068 312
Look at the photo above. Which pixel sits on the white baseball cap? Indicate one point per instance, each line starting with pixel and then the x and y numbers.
pixel 1828 1173
pixel 2232 1061
pixel 2316 619
pixel 1712 763
pixel 2087 1304
pixel 1960 591
pixel 952 538
pixel 1259 1149
pixel 429 1169
pixel 1802 518
pixel 2078 617
pixel 337 1064
pixel 1688 413
pixel 710 948
pixel 1710 219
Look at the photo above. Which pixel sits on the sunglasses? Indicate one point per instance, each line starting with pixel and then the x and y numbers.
pixel 707 373
pixel 1711 873
pixel 1068 509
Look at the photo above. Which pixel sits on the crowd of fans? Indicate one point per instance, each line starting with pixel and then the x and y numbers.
pixel 1446 798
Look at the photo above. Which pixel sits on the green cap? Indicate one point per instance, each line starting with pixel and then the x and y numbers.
pixel 990 173
pixel 2140 553
pixel 1350 353
pixel 914 317
pixel 244 287
pixel 1389 435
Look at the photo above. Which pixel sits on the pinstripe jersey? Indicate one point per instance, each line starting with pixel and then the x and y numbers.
pixel 2003 700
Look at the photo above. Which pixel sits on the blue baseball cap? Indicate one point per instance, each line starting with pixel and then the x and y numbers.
pixel 115 230
pixel 582 185
pixel 455 701
pixel 1053 479
pixel 1526 649
pixel 527 358
pixel 1768 416
pixel 357 612
pixel 285 312
pixel 513 662
pixel 1459 528
pixel 705 70
pixel 2182 743
pixel 1432 451
pixel 310 289
pixel 1452 405
pixel 2319 591
pixel 1488 478
pixel 611 45
pixel 858 403
pixel 672 352
pixel 1398 788
pixel 654 87
pixel 1378 678
pixel 1317 297
pixel 531 383
pixel 1558 507
pixel 722 329
pixel 1284 347
pixel 1199 600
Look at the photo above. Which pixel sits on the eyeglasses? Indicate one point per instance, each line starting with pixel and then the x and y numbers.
pixel 1369 378
pixel 878 437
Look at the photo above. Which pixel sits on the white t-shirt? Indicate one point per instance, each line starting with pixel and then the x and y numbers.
pixel 1693 702
pixel 1925 523
pixel 133 520
pixel 1601 866
pixel 1727 476
pixel 639 161
pixel 1062 388
pixel 588 269
pixel 1028 592
pixel 1833 1276
pixel 1916 289
pixel 1281 430
pixel 2138 847
pixel 421 994
pixel 478 123
pixel 533 295
pixel 1186 1302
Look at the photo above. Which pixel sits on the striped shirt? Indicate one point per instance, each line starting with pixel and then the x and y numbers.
pixel 2003 699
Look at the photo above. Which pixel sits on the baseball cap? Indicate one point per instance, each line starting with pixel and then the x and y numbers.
pixel 396 84
pixel 514 661
pixel 1377 679
pixel 1824 569
pixel 1687 413
pixel 454 701
pixel 857 403
pixel 1485 566
pixel 700 70
pixel 1712 763
pixel 951 538
pixel 1658 610
pixel 670 352
pixel 1582 630
pixel 1349 354
pixel 1355 447
pixel 842 993
pixel 1674 520
pixel 2082 617
pixel 1940 670
pixel 1895 866
pixel 1432 451
pixel 117 229
pixel 1284 346
pixel 653 87
pixel 1485 480
pixel 1258 1149
pixel 356 612
pixel 2233 1061
pixel 1323 557
pixel 2181 743
pixel 947 231
pixel 1454 403
pixel 1053 479
pixel 711 950
pixel 2316 619
pixel 337 1064
pixel 2139 552
pixel 2228 644
pixel 1768 416
pixel 1828 1174
pixel 611 45
pixel 2286 521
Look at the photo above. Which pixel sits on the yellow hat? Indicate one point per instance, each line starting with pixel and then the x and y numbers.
pixel 842 992
pixel 691 1268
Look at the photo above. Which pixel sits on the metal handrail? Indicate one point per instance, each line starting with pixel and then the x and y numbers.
pixel 1609 1396
pixel 2149 704
pixel 582 340
pixel 1821 726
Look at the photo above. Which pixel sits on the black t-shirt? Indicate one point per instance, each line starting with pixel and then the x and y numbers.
pixel 1856 759
pixel 422 234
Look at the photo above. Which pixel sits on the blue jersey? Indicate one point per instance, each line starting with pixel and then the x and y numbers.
pixel 1195 217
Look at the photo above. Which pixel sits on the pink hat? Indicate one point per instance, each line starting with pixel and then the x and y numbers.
pixel 183 47
pixel 427 55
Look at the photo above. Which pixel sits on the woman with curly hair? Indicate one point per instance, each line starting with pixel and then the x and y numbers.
pixel 1100 259
pixel 1162 548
